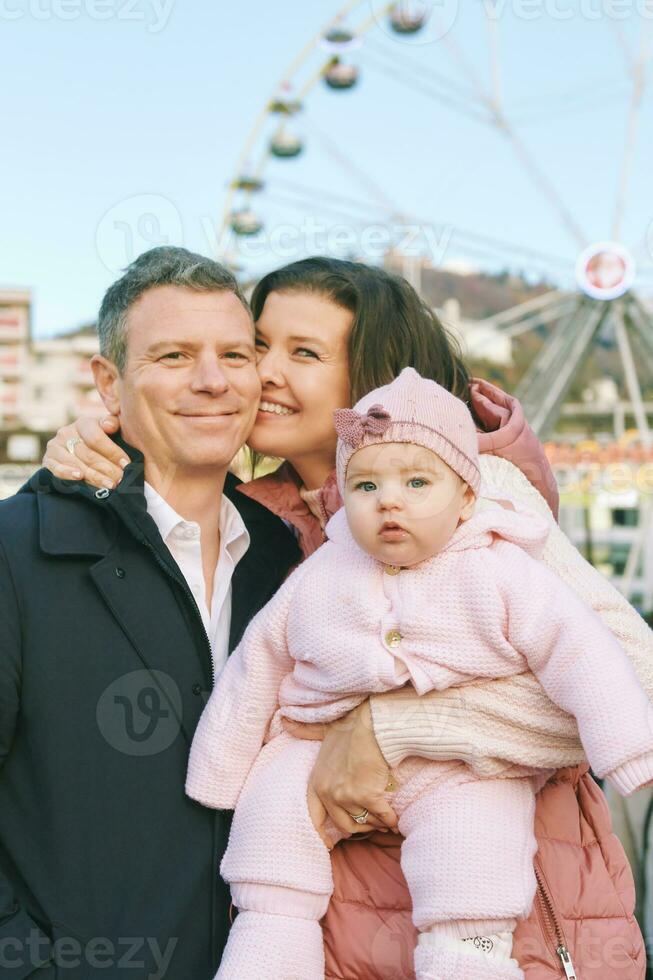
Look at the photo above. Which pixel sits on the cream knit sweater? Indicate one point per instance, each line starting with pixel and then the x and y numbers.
pixel 483 723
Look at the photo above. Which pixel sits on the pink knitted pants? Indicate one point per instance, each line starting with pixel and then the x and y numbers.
pixel 467 857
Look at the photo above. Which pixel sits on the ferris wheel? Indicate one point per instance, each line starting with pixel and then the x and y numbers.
pixel 598 282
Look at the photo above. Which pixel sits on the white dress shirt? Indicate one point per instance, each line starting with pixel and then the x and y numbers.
pixel 182 539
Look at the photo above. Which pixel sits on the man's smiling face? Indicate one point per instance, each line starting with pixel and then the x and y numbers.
pixel 189 391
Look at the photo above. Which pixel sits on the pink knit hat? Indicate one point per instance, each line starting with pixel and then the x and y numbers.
pixel 415 410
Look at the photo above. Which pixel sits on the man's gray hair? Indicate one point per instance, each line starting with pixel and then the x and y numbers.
pixel 163 266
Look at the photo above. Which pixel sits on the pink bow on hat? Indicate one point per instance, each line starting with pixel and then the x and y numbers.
pixel 351 426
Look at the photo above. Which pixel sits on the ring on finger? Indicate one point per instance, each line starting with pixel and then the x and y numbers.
pixel 360 817
pixel 71 443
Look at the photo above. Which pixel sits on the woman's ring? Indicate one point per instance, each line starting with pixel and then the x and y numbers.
pixel 71 443
pixel 360 817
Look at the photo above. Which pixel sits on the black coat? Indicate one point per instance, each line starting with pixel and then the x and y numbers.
pixel 107 869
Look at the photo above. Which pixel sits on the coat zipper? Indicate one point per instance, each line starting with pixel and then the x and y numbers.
pixel 561 949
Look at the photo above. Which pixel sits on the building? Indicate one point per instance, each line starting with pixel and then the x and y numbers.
pixel 480 340
pixel 15 336
pixel 44 384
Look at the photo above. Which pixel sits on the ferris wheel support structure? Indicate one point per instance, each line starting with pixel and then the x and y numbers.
pixel 543 387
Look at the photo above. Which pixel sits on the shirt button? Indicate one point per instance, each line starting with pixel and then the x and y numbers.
pixel 120 572
pixel 190 533
pixel 392 569
pixel 393 638
pixel 197 689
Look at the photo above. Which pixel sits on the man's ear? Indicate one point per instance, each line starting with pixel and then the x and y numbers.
pixel 469 500
pixel 107 379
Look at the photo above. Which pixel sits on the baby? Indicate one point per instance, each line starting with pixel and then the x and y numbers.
pixel 417 584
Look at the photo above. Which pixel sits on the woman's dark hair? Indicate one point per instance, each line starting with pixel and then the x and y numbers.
pixel 393 327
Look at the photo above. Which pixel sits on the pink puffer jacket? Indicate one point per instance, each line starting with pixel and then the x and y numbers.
pixel 586 894
pixel 584 902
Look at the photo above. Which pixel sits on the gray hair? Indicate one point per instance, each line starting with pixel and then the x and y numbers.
pixel 163 266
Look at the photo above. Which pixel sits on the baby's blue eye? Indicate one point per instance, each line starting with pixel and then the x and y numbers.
pixel 417 483
pixel 367 486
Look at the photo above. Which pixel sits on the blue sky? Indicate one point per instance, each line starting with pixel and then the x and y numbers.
pixel 124 120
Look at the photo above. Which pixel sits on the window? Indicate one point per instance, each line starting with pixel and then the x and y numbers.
pixel 625 517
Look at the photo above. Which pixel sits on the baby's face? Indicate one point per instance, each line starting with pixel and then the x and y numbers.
pixel 403 502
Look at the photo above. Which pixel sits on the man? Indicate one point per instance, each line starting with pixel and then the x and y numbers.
pixel 117 610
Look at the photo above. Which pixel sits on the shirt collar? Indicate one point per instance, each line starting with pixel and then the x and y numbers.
pixel 234 536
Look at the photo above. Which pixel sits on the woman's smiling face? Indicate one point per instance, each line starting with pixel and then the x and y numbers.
pixel 301 344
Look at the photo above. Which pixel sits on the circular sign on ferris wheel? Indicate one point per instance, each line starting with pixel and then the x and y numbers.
pixel 605 270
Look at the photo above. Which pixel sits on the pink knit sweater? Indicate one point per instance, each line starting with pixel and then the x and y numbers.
pixel 343 626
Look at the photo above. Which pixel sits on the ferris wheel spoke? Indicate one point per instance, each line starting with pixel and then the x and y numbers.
pixel 542 182
pixel 488 245
pixel 319 193
pixel 638 89
pixel 581 102
pixel 463 92
pixel 346 163
pixel 311 208
pixel 428 89
pixel 537 318
pixel 494 39
pixel 464 67
pixel 506 318
pixel 549 315
pixel 624 46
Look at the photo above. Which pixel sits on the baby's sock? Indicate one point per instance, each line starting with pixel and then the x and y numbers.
pixel 446 957
pixel 497 947
pixel 433 961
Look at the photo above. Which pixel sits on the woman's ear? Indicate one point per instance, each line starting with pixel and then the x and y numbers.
pixel 469 501
pixel 107 380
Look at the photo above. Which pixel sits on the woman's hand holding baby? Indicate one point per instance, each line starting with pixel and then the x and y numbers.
pixel 350 775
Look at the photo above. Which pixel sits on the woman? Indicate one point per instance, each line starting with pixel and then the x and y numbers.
pixel 328 332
